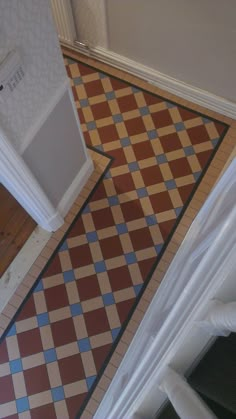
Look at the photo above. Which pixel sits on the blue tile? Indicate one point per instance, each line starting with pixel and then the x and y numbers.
pixel 84 345
pixel 92 237
pixel 144 110
pixel 108 299
pixel 70 61
pixel 142 192
pixel 86 209
pixel 100 267
pixel 180 126
pixel 170 105
pixel 69 276
pixel 63 246
pixel 137 289
pixel 102 75
pixel 152 134
pixel 197 175
pixel 110 95
pixel 99 147
pixel 130 258
pixel 189 151
pixel 151 220
pixel 205 120
pixel 91 125
pixel 77 80
pixel 39 286
pixel 90 381
pixel 16 366
pixel 158 248
pixel 43 319
pixel 135 89
pixel 133 166
pixel 113 200
pixel 161 159
pixel 22 404
pixel 178 211
pixel 76 309
pixel 50 355
pixel 84 103
pixel 170 184
pixel 12 330
pixel 215 142
pixel 108 175
pixel 125 142
pixel 115 333
pixel 117 118
pixel 121 228
pixel 58 394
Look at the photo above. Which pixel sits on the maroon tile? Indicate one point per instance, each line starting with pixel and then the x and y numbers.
pixel 143 150
pixel 103 218
pixel 151 175
pixel 135 126
pixel 186 114
pixel 7 389
pixel 170 142
pixel 68 71
pixel 145 267
pixel 77 229
pixel 118 84
pixel 85 70
pixel 120 278
pixel 36 379
pixel 96 321
pixel 161 202
pixel 80 256
pixel 111 247
pixel 63 332
pixel 3 352
pixel 100 355
pixel 220 127
pixel 118 156
pixel 28 310
pixel 198 134
pixel 180 167
pixel 124 308
pixel 141 239
pixel 127 103
pixel 74 403
pixel 166 228
pixel 94 88
pixel 12 417
pixel 43 412
pixel 204 157
pixel 56 297
pixel 185 191
pixel 71 369
pixel 162 119
pixel 81 116
pixel 100 193
pixel 151 99
pixel 108 133
pixel 54 267
pixel 74 92
pixel 29 342
pixel 124 183
pixel 132 210
pixel 101 110
pixel 88 287
pixel 87 138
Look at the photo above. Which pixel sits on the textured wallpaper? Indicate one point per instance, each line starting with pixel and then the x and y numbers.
pixel 28 26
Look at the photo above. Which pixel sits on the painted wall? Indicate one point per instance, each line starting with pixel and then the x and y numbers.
pixel 193 41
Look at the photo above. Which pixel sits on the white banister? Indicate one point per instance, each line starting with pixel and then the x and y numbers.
pixel 183 398
pixel 220 319
pixel 64 20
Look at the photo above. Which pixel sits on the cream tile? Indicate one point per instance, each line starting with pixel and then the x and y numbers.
pixel 80 327
pixel 54 374
pixel 12 347
pixel 113 317
pixel 27 324
pixel 5 369
pixel 33 361
pixel 60 314
pixel 88 364
pixel 72 292
pixel 67 350
pixel 74 389
pixel 19 385
pixel 61 410
pixel 124 294
pixel 40 399
pixel 46 337
pixel 92 304
pixel 101 339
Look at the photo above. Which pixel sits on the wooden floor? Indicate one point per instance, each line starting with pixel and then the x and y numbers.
pixel 15 228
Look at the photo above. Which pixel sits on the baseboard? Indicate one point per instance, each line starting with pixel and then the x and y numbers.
pixel 75 188
pixel 165 82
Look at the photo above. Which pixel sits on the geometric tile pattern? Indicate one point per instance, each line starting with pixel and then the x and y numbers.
pixel 58 344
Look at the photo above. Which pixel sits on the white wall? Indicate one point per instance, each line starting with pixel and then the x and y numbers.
pixel 191 40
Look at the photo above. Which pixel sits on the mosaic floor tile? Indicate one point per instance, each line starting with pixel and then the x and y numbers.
pixel 61 338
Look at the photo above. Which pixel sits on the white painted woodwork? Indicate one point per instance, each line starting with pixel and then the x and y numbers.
pixel 220 319
pixel 64 20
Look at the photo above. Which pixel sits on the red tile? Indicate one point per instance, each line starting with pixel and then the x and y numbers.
pixel 71 369
pixel 180 167
pixel 85 70
pixel 81 116
pixel 135 126
pixel 143 150
pixel 96 321
pixel 29 342
pixel 88 287
pixel 151 175
pixel 124 308
pixel 80 256
pixel 100 354
pixel 166 228
pixel 63 332
pixel 170 142
pixel 101 110
pixel 120 278
pixel 132 210
pixel 7 389
pixel 100 193
pixel 77 229
pixel 124 183
pixel 118 156
pixel 204 157
pixel 74 92
pixel 43 412
pixel 28 310
pixel 185 191
pixel 118 84
pixel 103 218
pixel 145 267
pixel 127 103
pixel 151 99
pixel 111 247
pixel 12 417
pixel 54 267
pixel 162 119
pixel 3 352
pixel 161 202
pixel 36 380
pixel 186 114
pixel 141 239
pixel 198 135
pixel 87 138
pixel 94 88
pixel 56 297
pixel 74 403
pixel 108 133
pixel 220 128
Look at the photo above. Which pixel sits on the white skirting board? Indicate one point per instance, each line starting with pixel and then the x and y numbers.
pixel 163 81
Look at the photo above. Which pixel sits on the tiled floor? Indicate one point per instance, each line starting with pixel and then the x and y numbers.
pixel 60 339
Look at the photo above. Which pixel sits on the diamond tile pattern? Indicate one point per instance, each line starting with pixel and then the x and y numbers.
pixel 61 338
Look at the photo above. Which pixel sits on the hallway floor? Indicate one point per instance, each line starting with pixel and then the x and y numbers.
pixel 96 277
